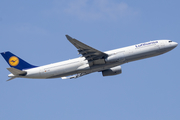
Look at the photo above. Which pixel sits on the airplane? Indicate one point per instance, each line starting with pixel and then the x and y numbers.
pixel 92 60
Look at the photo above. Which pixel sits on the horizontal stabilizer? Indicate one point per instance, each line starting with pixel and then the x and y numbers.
pixel 16 72
pixel 11 78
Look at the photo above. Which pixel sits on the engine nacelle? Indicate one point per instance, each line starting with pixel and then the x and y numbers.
pixel 112 71
pixel 115 57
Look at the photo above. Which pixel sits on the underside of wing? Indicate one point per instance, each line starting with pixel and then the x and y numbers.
pixel 75 76
pixel 88 52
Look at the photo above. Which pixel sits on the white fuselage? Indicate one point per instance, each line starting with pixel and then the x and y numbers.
pixel 115 57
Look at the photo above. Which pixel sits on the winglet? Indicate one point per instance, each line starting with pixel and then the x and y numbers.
pixel 68 37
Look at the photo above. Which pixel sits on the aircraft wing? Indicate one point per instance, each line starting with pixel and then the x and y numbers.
pixel 75 76
pixel 88 52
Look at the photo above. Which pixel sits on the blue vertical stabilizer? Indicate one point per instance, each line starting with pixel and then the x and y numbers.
pixel 16 62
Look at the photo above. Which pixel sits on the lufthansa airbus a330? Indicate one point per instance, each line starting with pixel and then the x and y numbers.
pixel 92 60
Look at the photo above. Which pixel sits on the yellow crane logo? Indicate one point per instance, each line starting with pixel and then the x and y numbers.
pixel 13 61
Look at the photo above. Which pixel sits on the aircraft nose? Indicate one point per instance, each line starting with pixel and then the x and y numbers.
pixel 175 44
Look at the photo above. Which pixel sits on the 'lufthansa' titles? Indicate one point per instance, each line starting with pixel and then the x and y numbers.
pixel 146 44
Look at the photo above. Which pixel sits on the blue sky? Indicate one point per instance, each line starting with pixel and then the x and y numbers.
pixel 35 31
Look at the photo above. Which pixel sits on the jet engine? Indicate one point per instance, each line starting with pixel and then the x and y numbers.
pixel 112 71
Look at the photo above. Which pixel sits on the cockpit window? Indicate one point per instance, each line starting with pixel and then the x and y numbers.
pixel 170 41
